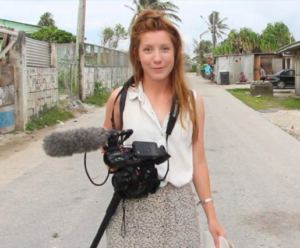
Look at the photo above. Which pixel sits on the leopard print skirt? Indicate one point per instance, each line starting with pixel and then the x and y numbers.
pixel 166 219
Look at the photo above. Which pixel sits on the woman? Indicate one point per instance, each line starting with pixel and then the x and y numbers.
pixel 167 218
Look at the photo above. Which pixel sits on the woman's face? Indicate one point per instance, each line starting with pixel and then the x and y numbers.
pixel 156 54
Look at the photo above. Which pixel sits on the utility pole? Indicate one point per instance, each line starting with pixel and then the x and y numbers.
pixel 214 34
pixel 80 51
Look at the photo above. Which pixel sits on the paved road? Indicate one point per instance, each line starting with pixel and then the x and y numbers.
pixel 254 168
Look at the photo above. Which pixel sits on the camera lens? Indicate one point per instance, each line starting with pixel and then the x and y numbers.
pixel 121 180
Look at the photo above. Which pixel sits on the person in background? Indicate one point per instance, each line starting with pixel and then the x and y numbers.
pixel 243 78
pixel 207 71
pixel 262 74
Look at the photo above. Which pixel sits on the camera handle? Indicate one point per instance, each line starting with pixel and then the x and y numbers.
pixel 110 211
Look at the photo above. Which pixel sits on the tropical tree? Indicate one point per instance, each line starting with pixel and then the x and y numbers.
pixel 215 26
pixel 204 46
pixel 167 7
pixel 243 41
pixel 110 37
pixel 46 20
pixel 275 36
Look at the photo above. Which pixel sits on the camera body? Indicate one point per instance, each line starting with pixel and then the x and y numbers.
pixel 136 175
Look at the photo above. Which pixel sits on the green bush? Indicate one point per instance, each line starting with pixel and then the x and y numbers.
pixel 193 68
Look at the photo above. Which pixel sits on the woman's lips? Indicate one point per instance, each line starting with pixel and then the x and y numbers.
pixel 158 68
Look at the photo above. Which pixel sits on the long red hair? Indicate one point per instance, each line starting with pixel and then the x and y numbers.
pixel 152 20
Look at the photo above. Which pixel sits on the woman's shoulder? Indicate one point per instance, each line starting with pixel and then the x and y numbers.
pixel 197 96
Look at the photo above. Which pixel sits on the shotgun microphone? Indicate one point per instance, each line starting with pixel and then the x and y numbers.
pixel 79 140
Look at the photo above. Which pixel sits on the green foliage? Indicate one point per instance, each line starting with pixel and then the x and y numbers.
pixel 66 82
pixel 247 41
pixel 52 33
pixel 202 67
pixel 193 68
pixel 275 36
pixel 263 103
pixel 110 37
pixel 100 95
pixel 48 117
pixel 204 46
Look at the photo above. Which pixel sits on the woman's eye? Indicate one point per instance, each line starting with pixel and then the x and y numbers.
pixel 147 49
pixel 166 48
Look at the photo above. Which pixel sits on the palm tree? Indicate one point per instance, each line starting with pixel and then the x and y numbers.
pixel 166 7
pixel 204 46
pixel 46 20
pixel 215 26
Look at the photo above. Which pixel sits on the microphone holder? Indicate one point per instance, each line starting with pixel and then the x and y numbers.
pixel 110 211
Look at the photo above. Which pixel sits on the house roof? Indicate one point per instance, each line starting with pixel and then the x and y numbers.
pixel 28 28
pixel 289 47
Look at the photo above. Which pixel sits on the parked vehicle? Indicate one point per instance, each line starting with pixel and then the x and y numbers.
pixel 282 79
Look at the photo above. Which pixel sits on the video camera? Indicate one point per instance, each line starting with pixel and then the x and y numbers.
pixel 136 175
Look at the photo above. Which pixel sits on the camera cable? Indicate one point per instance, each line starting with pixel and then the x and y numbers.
pixel 88 175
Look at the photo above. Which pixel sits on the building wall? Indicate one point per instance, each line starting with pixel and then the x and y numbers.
pixel 42 90
pixel 234 65
pixel 24 91
pixel 108 66
pixel 297 70
pixel 7 95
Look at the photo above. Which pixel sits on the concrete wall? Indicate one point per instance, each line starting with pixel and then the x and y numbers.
pixel 110 67
pixel 42 90
pixel 24 91
pixel 234 65
pixel 110 77
pixel 7 96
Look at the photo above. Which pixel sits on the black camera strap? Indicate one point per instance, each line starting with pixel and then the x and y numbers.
pixel 123 93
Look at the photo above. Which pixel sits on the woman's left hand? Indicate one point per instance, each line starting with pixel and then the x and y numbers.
pixel 216 230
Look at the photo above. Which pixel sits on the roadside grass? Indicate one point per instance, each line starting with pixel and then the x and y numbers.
pixel 264 103
pixel 48 117
pixel 100 95
pixel 57 114
pixel 98 100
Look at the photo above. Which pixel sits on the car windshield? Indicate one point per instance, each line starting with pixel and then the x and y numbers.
pixel 279 72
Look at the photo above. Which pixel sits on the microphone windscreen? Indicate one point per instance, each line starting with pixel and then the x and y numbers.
pixel 80 140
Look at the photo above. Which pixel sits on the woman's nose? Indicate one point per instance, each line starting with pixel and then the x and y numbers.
pixel 157 56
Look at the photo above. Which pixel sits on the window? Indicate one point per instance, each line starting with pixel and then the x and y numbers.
pixel 290 73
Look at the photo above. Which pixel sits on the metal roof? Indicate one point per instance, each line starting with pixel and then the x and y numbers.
pixel 289 47
pixel 27 24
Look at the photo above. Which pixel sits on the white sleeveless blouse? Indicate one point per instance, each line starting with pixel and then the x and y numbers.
pixel 140 117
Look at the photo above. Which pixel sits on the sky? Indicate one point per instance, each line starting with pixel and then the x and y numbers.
pixel 255 14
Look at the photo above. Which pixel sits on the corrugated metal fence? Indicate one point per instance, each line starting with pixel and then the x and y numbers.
pixel 38 53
